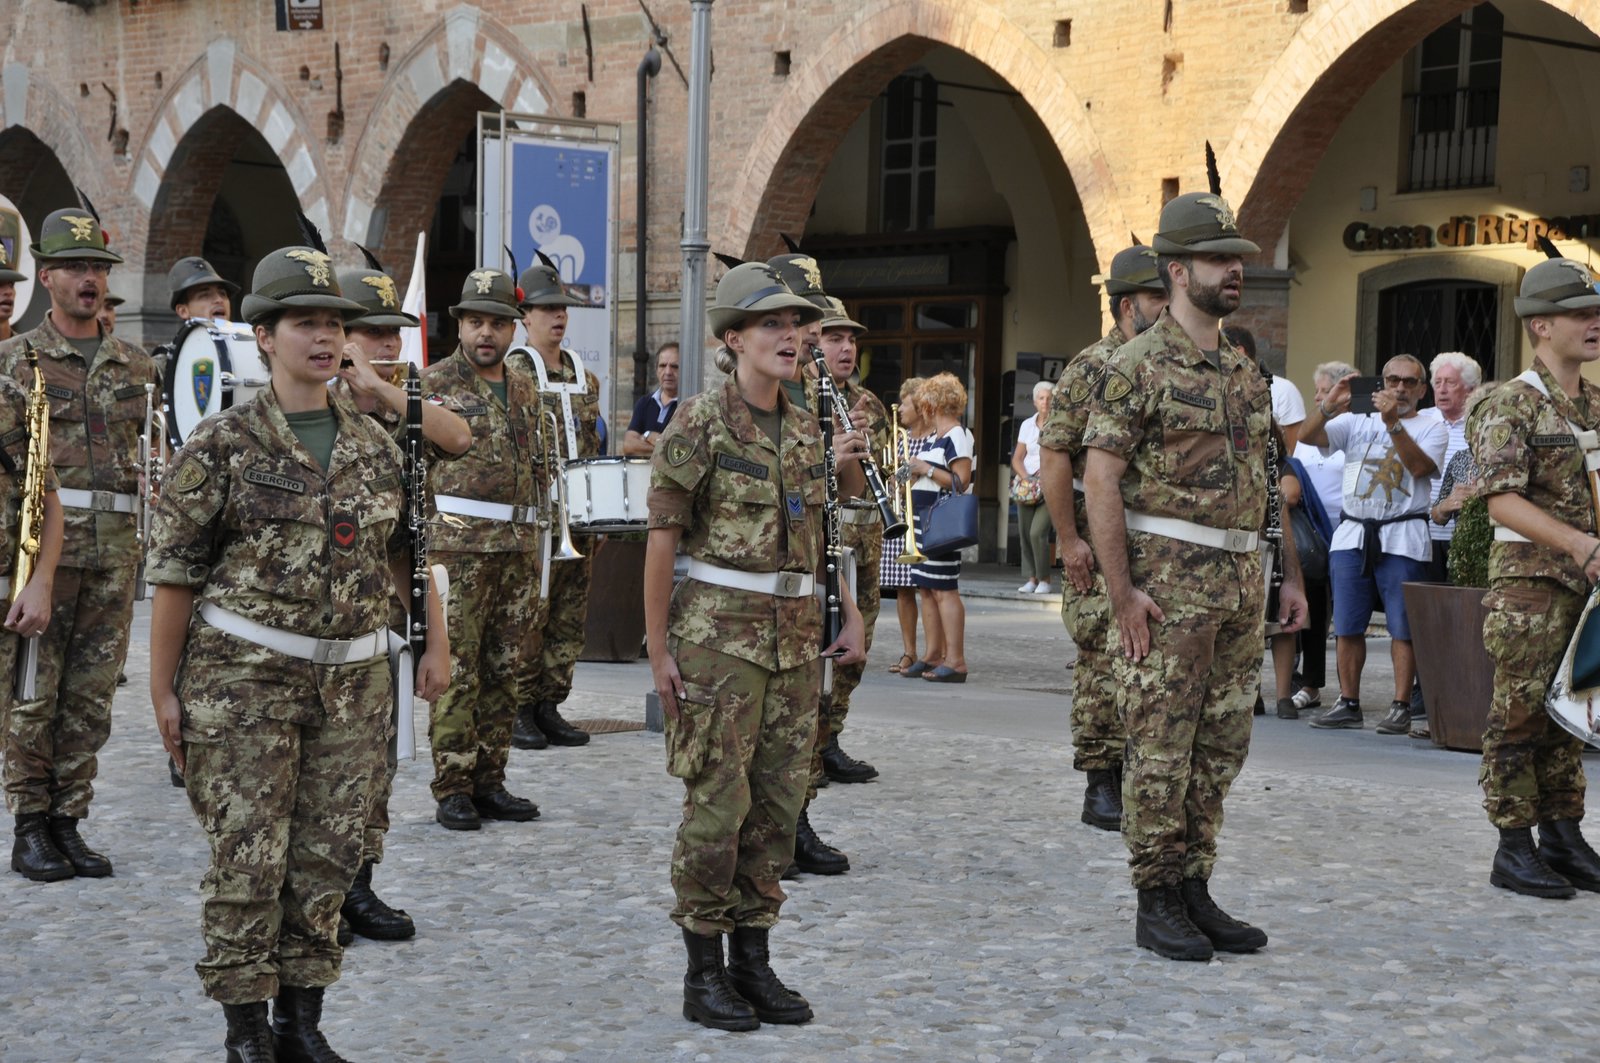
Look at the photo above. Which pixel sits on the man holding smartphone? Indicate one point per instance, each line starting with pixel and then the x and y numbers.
pixel 1391 458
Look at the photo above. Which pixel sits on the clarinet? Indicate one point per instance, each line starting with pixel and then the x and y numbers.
pixel 893 526
pixel 416 515
pixel 1272 531
pixel 832 540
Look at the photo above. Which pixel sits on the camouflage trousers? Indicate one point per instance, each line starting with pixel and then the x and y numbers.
pixel 740 744
pixel 283 805
pixel 1187 708
pixel 866 541
pixel 1096 720
pixel 495 617
pixel 548 676
pixel 1532 769
pixel 378 811
pixel 53 743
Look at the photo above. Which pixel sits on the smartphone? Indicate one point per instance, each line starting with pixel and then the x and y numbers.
pixel 1362 388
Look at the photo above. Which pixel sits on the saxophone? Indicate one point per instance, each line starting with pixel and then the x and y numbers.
pixel 30 521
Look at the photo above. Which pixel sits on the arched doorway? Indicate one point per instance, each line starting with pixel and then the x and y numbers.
pixel 431 185
pixel 226 196
pixel 34 179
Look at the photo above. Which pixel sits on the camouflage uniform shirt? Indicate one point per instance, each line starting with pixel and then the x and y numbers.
pixel 585 407
pixel 1194 436
pixel 96 416
pixel 503 464
pixel 1523 445
pixel 251 523
pixel 744 504
pixel 1069 409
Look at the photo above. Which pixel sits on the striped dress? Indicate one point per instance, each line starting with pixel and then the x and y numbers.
pixel 941 572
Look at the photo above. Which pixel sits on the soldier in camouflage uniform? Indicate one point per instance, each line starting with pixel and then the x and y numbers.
pixel 1137 299
pixel 96 385
pixel 375 335
pixel 1179 429
pixel 491 501
pixel 1530 438
pixel 738 479
pixel 546 680
pixel 9 279
pixel 198 291
pixel 275 551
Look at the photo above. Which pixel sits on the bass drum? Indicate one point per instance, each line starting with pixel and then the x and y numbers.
pixel 214 365
pixel 607 495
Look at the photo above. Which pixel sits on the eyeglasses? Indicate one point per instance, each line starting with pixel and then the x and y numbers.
pixel 1401 381
pixel 77 267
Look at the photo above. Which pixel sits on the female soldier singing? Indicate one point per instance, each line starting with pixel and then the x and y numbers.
pixel 739 477
pixel 277 550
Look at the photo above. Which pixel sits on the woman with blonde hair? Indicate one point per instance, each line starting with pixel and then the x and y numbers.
pixel 893 574
pixel 944 463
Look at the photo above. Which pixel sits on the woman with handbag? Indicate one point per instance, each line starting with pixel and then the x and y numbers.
pixel 1033 522
pixel 944 468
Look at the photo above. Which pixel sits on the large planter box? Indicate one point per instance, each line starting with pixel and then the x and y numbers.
pixel 1457 673
pixel 614 628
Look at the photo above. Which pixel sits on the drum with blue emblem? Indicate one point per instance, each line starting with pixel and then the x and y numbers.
pixel 214 365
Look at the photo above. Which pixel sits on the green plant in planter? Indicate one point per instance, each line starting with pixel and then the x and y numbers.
pixel 1469 546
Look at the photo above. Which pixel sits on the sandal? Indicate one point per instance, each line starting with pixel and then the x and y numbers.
pixel 945 674
pixel 906 661
pixel 916 670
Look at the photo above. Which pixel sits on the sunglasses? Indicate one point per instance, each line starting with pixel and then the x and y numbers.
pixel 1401 381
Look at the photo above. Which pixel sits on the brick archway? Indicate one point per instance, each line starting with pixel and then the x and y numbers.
pixel 467 62
pixel 225 78
pixel 804 127
pixel 1311 88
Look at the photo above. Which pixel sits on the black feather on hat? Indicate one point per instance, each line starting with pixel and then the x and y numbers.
pixel 310 233
pixel 1213 175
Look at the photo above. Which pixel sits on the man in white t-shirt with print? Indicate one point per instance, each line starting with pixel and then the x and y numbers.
pixel 1391 458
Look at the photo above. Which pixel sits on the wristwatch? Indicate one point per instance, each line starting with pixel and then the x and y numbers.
pixel 1396 428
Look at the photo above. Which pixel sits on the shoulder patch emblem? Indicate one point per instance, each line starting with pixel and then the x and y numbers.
pixel 1499 436
pixel 1117 387
pixel 189 477
pixel 679 450
pixel 1079 393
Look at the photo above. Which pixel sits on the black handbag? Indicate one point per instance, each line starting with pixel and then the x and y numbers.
pixel 949 524
pixel 1309 544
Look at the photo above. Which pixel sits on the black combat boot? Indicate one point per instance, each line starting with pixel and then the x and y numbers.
pixel 369 916
pixel 456 812
pixel 750 971
pixel 1102 801
pixel 249 1037
pixel 34 854
pixel 295 1016
pixel 556 729
pixel 1223 930
pixel 708 997
pixel 1518 867
pixel 1562 848
pixel 842 767
pixel 813 855
pixel 85 861
pixel 1164 926
pixel 502 804
pixel 525 733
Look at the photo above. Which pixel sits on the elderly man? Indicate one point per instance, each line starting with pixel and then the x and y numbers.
pixel 1455 378
pixel 1391 458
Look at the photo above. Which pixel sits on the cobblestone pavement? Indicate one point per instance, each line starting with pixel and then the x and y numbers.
pixel 979 921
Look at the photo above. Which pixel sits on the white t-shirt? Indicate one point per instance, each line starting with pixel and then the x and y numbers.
pixel 1377 485
pixel 1287 406
pixel 1327 477
pixel 1028 436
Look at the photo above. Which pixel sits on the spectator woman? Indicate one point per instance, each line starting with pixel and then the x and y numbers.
pixel 1033 521
pixel 944 464
pixel 894 576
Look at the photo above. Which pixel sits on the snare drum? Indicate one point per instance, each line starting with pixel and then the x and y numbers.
pixel 607 494
pixel 214 365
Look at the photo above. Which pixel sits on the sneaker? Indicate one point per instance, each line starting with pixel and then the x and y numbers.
pixel 1043 588
pixel 1346 713
pixel 1028 587
pixel 1307 699
pixel 1397 721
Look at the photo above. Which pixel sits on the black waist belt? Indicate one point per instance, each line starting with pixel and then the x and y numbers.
pixel 1370 547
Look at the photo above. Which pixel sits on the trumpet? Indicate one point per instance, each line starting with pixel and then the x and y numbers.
pixel 900 448
pixel 555 505
pixel 152 466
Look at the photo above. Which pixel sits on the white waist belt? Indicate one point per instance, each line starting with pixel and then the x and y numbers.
pixel 1503 534
pixel 1077 485
pixel 1233 540
pixel 101 501
pixel 849 515
pixel 780 584
pixel 317 651
pixel 472 507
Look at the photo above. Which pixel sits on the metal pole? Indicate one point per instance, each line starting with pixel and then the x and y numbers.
pixel 695 243
pixel 649 67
